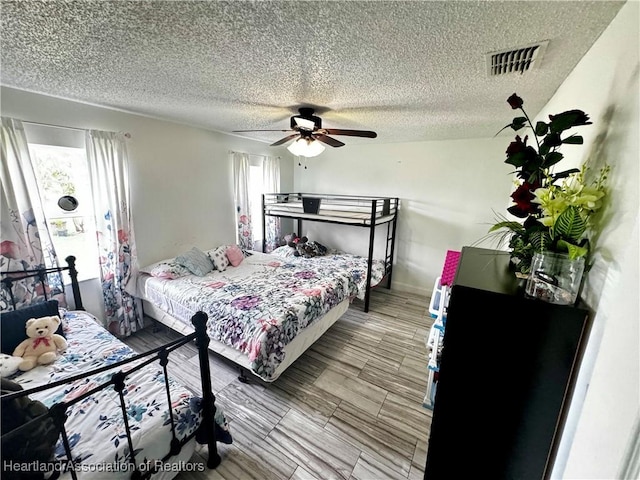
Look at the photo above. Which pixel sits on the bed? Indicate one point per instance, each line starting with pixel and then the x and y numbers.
pixel 265 311
pixel 108 401
pixel 358 211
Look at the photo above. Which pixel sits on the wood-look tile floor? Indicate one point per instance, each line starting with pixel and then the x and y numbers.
pixel 349 408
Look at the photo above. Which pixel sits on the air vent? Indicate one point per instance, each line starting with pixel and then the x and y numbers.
pixel 516 60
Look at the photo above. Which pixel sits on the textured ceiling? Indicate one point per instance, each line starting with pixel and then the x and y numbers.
pixel 411 71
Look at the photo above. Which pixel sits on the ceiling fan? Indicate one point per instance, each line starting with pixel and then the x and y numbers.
pixel 308 132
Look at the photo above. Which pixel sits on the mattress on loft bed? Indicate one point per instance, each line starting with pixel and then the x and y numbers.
pixel 352 213
pixel 258 308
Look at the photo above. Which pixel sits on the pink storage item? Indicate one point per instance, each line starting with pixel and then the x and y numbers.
pixel 449 268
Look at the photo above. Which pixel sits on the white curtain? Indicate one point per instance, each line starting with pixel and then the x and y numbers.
pixel 26 240
pixel 271 184
pixel 108 169
pixel 242 203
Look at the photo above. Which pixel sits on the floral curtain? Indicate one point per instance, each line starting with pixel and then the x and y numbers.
pixel 25 239
pixel 108 169
pixel 242 204
pixel 271 184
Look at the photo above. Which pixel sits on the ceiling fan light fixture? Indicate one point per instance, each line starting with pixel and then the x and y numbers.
pixel 309 135
pixel 306 147
pixel 305 124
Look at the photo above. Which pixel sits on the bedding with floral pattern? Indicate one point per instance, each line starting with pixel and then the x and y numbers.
pixel 261 305
pixel 95 426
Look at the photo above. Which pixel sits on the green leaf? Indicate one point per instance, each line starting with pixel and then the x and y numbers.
pixel 565 174
pixel 518 123
pixel 574 250
pixel 552 140
pixel 535 176
pixel 544 148
pixel 517 159
pixel 568 119
pixel 562 122
pixel 506 126
pixel 573 140
pixel 540 239
pixel 552 158
pixel 570 224
pixel 513 226
pixel 541 129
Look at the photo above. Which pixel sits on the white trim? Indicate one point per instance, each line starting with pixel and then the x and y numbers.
pixel 630 465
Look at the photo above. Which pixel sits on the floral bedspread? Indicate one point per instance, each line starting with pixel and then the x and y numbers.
pixel 261 305
pixel 355 265
pixel 94 425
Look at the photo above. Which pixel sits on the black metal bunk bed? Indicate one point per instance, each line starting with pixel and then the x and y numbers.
pixel 360 211
pixel 57 413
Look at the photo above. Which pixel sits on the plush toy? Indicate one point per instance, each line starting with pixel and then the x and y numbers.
pixel 298 243
pixel 8 365
pixel 43 345
pixel 292 239
pixel 305 248
pixel 313 249
pixel 38 435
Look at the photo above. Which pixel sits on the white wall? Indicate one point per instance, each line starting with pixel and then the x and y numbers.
pixel 448 192
pixel 607 397
pixel 181 177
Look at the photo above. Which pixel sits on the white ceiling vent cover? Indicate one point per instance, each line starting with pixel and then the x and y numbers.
pixel 515 60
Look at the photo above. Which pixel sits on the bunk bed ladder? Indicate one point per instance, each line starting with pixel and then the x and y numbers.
pixel 391 243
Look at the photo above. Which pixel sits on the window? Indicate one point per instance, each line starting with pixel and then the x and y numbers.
pixel 63 170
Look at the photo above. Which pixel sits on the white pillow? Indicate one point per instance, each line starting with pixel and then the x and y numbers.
pixel 219 258
pixel 149 268
pixel 169 271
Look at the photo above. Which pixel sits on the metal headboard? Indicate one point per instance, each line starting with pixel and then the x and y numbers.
pixel 10 277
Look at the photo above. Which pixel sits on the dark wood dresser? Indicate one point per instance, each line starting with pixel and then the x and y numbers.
pixel 506 376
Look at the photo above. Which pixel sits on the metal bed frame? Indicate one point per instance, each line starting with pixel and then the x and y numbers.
pixel 205 433
pixel 379 211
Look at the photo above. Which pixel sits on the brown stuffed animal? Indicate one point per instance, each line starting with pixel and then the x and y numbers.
pixel 43 345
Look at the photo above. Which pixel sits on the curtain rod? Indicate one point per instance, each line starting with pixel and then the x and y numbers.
pixel 253 154
pixel 126 134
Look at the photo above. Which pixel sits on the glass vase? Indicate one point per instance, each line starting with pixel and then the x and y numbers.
pixel 555 278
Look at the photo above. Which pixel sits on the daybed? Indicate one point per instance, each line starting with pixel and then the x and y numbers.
pixel 106 401
pixel 359 211
pixel 265 311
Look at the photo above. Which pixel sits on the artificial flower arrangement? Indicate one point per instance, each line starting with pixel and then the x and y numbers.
pixel 557 208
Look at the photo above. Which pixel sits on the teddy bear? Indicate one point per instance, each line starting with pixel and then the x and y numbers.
pixel 43 345
pixel 8 365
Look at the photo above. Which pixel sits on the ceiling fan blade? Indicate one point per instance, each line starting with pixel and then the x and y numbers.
pixel 328 140
pixel 285 139
pixel 351 133
pixel 239 131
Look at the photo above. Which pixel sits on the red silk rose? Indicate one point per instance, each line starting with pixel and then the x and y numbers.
pixel 515 101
